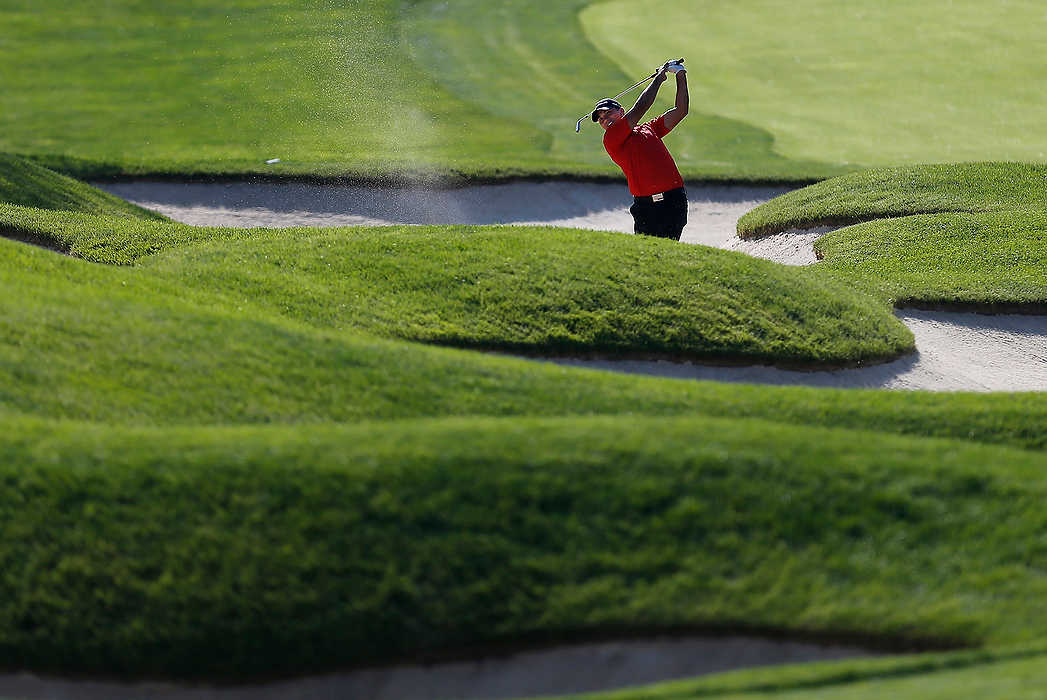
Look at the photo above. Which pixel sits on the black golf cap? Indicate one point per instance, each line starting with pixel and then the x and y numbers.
pixel 605 104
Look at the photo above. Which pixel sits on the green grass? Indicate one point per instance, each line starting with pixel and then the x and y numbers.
pixel 484 52
pixel 1004 674
pixel 119 346
pixel 197 88
pixel 548 291
pixel 100 238
pixel 214 474
pixel 228 551
pixel 28 184
pixel 553 291
pixel 1022 679
pixel 876 83
pixel 991 262
pixel 902 191
pixel 394 88
pixel 212 468
pixel 970 236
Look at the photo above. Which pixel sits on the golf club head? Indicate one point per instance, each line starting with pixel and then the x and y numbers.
pixel 578 126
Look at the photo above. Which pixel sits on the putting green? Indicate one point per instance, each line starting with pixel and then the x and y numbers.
pixel 869 83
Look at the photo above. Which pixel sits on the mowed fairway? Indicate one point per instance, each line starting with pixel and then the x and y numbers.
pixel 869 83
pixel 196 87
pixel 386 88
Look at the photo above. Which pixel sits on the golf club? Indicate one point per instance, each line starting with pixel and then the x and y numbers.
pixel 578 125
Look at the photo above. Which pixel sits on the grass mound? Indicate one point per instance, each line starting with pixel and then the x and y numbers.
pixel 968 236
pixel 228 551
pixel 902 191
pixel 28 184
pixel 299 538
pixel 541 290
pixel 989 262
pixel 100 238
pixel 119 346
pixel 507 288
pixel 111 344
pixel 232 512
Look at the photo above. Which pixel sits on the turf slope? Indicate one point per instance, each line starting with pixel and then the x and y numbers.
pixel 168 523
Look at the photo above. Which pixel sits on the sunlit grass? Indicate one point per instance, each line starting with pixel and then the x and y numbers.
pixel 871 83
pixel 969 235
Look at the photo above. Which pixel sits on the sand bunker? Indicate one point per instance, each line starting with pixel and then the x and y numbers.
pixel 956 351
pixel 560 670
pixel 713 211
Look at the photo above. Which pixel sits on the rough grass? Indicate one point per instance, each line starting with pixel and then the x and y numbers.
pixel 553 291
pixel 99 238
pixel 115 345
pixel 233 500
pixel 28 184
pixel 991 262
pixel 960 236
pixel 546 291
pixel 902 191
pixel 229 551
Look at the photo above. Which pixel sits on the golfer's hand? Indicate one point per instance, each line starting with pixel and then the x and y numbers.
pixel 673 67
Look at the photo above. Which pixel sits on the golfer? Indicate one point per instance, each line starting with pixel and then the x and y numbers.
pixel 659 200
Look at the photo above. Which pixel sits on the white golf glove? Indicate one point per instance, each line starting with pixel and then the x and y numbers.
pixel 676 68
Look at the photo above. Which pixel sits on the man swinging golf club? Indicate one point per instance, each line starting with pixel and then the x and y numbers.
pixel 659 199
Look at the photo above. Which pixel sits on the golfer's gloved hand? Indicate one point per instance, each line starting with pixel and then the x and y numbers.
pixel 674 67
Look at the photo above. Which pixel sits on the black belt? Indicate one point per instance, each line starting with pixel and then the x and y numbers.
pixel 658 196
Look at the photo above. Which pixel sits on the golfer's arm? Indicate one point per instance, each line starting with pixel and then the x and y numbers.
pixel 674 115
pixel 646 99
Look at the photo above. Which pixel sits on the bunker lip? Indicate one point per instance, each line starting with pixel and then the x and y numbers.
pixel 442 179
pixel 608 359
pixel 34 239
pixel 835 222
pixel 982 308
pixel 579 662
pixel 955 352
pixel 713 209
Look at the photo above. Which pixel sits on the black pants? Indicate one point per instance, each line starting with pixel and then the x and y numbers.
pixel 665 218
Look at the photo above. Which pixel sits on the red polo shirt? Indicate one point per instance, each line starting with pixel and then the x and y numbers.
pixel 642 156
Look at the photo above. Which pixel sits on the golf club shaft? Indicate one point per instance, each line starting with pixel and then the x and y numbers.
pixel 635 85
pixel 678 61
pixel 578 124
